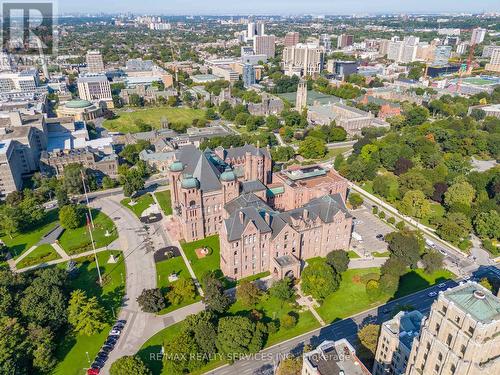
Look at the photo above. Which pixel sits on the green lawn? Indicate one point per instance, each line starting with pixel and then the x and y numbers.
pixel 353 255
pixel 42 254
pixel 254 277
pixel 20 242
pixel 209 263
pixel 141 203
pixel 75 241
pixel 163 270
pixel 384 254
pixel 351 298
pixel 164 201
pixel 417 280
pixel 125 122
pixel 71 349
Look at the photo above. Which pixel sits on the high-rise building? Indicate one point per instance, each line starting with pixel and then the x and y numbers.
pixel 441 55
pixel 265 45
pixel 251 30
pixel 248 75
pixel 22 82
pixel 303 59
pixel 95 87
pixel 94 62
pixel 403 51
pixel 255 29
pixel 477 36
pixel 494 64
pixel 462 48
pixel 395 342
pixel 461 334
pixel 292 38
pixel 345 40
pixel 301 99
pixel 325 41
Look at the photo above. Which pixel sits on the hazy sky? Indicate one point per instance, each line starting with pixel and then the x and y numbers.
pixel 187 7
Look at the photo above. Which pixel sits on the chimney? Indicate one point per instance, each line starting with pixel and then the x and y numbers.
pixel 267 217
pixel 242 217
pixel 305 214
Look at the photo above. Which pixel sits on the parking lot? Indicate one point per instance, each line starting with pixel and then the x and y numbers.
pixel 369 226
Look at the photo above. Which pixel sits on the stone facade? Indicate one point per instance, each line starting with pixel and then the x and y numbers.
pixel 461 334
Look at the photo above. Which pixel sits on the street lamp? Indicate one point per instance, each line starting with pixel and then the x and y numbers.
pixel 88 357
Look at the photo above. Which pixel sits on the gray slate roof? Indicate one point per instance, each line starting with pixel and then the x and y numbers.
pixel 252 186
pixel 239 152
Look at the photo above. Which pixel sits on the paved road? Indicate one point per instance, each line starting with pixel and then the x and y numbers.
pixel 140 274
pixel 346 328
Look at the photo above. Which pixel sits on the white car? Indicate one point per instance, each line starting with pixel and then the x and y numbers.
pixel 443 252
pixel 442 285
pixel 115 332
pixel 433 294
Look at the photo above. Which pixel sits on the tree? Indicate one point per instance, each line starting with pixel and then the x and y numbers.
pixel 487 224
pixel 70 216
pixel 394 266
pixel 372 288
pixel 319 280
pixel 215 299
pixel 402 165
pixel 181 353
pixel 151 300
pixel 433 261
pixel 282 153
pixel 10 220
pixel 288 321
pixel 439 189
pixel 486 283
pixel 129 365
pixel 368 336
pixel 132 182
pixel 338 260
pixel 282 289
pixel 236 335
pixel 181 290
pixel 387 186
pixel 416 115
pixel 13 346
pixel 43 346
pixel 290 366
pixel 406 246
pixel 414 203
pixel 454 227
pixel 460 193
pixel 73 178
pixel 355 200
pixel 248 293
pixel 85 314
pixel 312 148
pixel 415 180
pixel 61 196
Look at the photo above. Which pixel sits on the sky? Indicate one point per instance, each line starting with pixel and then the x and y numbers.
pixel 221 7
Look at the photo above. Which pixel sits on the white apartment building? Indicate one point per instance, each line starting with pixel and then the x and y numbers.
pixel 94 87
pixel 477 36
pixel 404 51
pixel 303 59
pixel 26 81
pixel 94 61
pixel 494 64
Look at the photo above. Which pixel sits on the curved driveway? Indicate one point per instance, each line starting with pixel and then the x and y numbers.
pixel 140 274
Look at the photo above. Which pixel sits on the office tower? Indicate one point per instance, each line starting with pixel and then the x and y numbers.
pixel 303 59
pixel 292 38
pixel 301 99
pixel 403 51
pixel 94 62
pixel 494 64
pixel 248 75
pixel 94 87
pixel 255 29
pixel 325 41
pixel 441 55
pixel 461 334
pixel 384 47
pixel 259 29
pixel 395 342
pixel 264 45
pixel 345 40
pixel 477 36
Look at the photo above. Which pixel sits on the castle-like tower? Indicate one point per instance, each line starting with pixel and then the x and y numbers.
pixel 301 100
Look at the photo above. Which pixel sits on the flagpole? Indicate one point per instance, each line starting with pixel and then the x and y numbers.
pixel 87 199
pixel 95 252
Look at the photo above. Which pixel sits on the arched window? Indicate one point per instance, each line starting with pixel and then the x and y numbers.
pixel 192 203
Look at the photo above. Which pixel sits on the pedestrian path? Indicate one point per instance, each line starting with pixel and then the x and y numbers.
pixel 309 303
pixel 60 251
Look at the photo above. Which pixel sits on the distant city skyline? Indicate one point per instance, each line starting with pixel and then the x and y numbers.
pixel 227 7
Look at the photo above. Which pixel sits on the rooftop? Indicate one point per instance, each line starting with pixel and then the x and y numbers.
pixel 475 300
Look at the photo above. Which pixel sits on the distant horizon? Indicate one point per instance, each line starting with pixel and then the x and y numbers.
pixel 276 7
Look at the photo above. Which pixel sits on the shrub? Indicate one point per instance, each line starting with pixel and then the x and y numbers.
pixel 391 220
pixel 381 214
pixel 400 225
pixel 151 300
pixel 374 210
pixel 273 327
pixel 289 321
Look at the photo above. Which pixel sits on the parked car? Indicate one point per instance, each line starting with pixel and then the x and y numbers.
pixel 111 340
pixel 93 371
pixel 115 332
pixel 442 251
pixel 98 363
pixel 102 356
pixel 442 285
pixel 107 348
pixel 380 236
pixel 433 294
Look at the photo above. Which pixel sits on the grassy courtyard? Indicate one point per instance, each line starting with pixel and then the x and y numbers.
pixel 71 350
pixel 163 270
pixel 20 242
pixel 164 201
pixel 42 254
pixel 75 241
pixel 140 204
pixel 208 263
pixel 126 121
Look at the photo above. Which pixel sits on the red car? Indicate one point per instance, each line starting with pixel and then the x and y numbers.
pixel 93 371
